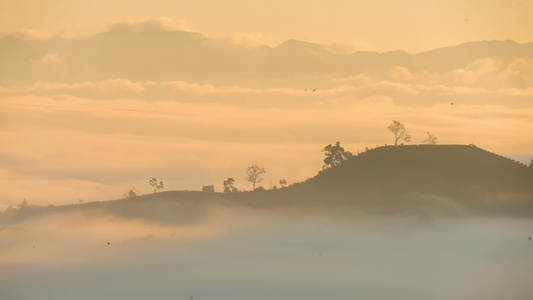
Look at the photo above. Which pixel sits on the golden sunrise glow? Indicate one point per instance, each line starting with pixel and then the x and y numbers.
pixel 87 129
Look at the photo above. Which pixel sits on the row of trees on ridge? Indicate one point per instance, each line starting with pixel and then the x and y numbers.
pixel 335 155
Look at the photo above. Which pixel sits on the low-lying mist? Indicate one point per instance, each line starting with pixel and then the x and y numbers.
pixel 233 252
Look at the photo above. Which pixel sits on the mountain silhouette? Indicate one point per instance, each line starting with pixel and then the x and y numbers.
pixel 13 49
pixel 450 58
pixel 159 54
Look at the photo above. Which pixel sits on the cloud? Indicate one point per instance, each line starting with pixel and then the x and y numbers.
pixel 491 74
pixel 519 73
pixel 111 88
pixel 250 39
pixel 151 24
pixel 475 73
pixel 399 73
pixel 51 58
pixel 34 34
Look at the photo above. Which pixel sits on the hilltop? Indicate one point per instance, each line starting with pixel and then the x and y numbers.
pixel 404 177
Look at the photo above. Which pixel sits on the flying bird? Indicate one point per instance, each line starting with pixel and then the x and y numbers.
pixel 314 90
pixel 108 243
pixel 451 103
pixel 529 238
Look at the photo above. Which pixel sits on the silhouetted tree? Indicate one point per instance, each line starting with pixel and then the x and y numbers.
pixel 253 175
pixel 430 140
pixel 157 186
pixel 10 209
pixel 131 193
pixel 228 186
pixel 23 205
pixel 208 188
pixel 335 155
pixel 399 132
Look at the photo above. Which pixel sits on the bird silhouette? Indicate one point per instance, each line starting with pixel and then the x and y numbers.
pixel 314 90
pixel 108 243
pixel 451 103
pixel 529 238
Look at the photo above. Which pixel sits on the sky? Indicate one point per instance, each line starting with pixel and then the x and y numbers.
pixel 383 25
pixel 74 131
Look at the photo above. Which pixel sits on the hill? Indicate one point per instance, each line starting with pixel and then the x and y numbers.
pixel 447 180
pixel 410 177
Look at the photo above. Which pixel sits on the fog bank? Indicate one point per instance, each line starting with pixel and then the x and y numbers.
pixel 241 253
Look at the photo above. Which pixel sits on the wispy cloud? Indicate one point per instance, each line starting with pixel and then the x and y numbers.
pixel 34 34
pixel 51 58
pixel 151 24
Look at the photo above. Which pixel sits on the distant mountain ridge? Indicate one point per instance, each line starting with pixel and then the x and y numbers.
pixel 180 55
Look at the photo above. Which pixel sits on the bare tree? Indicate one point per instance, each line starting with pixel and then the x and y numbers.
pixel 282 182
pixel 253 174
pixel 399 132
pixel 156 185
pixel 131 193
pixel 430 140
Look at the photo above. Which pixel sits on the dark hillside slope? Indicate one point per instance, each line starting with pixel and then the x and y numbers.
pixel 439 180
pixel 172 207
pixel 399 176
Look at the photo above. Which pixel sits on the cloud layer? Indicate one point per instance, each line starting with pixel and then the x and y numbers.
pixel 242 254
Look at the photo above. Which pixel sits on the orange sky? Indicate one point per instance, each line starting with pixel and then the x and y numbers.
pixel 384 25
pixel 66 139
